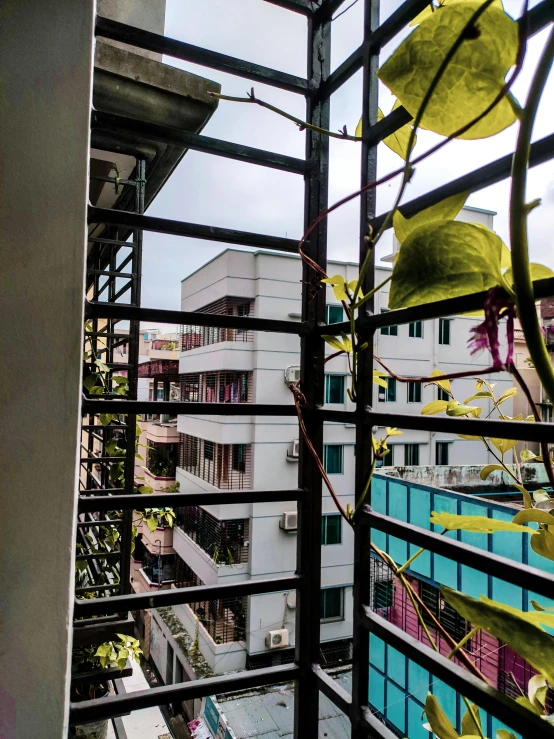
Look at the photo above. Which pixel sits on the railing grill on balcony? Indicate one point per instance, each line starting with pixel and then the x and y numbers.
pixel 196 336
pixel 226 466
pixel 225 541
pixel 217 387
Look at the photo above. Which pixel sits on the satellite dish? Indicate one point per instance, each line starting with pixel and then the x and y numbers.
pixel 291 599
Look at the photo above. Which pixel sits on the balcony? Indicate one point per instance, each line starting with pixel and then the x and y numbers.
pixel 223 466
pixel 194 337
pixel 225 542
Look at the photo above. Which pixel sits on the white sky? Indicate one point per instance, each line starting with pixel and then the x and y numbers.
pixel 212 190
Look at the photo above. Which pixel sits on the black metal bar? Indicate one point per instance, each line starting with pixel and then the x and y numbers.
pixel 312 352
pixel 523 575
pixel 102 522
pixel 374 728
pixel 488 698
pixel 194 318
pixel 99 555
pixel 193 230
pixel 335 692
pixel 541 151
pixel 197 55
pixel 95 677
pixel 197 142
pixel 111 242
pixel 160 500
pixel 305 7
pixel 174 407
pixel 98 630
pixel 178 596
pixel 103 708
pixel 97 589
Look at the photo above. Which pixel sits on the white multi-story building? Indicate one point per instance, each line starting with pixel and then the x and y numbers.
pixel 226 543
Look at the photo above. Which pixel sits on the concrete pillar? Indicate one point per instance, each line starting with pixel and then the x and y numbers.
pixel 46 53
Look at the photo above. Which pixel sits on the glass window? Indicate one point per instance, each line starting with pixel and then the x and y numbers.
pixel 414 392
pixel 388 459
pixel 334 388
pixel 332 606
pixel 209 450
pixel 411 454
pixel 383 594
pixel 331 529
pixel 451 621
pixel 238 455
pixel 388 394
pixel 442 394
pixel 333 314
pixel 415 330
pixel 444 330
pixel 546 412
pixel 388 330
pixel 441 452
pixel 333 459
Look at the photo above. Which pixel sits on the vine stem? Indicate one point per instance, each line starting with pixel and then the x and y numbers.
pixel 521 273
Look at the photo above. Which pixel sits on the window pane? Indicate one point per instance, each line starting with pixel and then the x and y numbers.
pixel 239 457
pixel 412 454
pixel 388 330
pixel 334 391
pixel 415 330
pixel 391 389
pixel 414 392
pixel 442 394
pixel 334 314
pixel 331 529
pixel 333 459
pixel 331 603
pixel 441 452
pixel 383 594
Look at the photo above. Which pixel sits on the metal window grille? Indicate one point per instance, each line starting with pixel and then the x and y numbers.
pixel 107 283
pixel 225 541
pixel 197 336
pixel 225 466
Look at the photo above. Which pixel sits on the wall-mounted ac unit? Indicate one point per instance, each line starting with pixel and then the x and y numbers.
pixel 292 374
pixel 294 448
pixel 277 639
pixel 289 521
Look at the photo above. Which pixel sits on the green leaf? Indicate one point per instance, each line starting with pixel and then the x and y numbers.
pixel 454 408
pixel 339 286
pixel 435 406
pixel 103 650
pixel 527 502
pixel 378 378
pixel 393 431
pixel 507 394
pixel 527 704
pixel 90 381
pixel 438 719
pixel 146 489
pixel 447 209
pixel 347 343
pixel 482 394
pixel 334 342
pixel 542 542
pixel 96 390
pixel 536 690
pixel 527 455
pixel 139 456
pixel 471 725
pixel 120 380
pixel 504 734
pixel 106 418
pixel 534 515
pixel 152 523
pixel 471 81
pixel 538 272
pixel 399 140
pixel 443 384
pixel 486 471
pixel 503 445
pixel 530 642
pixel 480 524
pixel 445 259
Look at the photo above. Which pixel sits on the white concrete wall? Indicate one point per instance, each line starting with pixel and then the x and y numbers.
pixel 46 63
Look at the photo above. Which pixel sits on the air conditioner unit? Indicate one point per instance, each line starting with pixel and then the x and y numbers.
pixel 294 448
pixel 277 639
pixel 292 374
pixel 289 521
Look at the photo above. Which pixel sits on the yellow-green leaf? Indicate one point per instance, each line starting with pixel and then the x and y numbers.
pixel 507 394
pixel 486 471
pixel 334 342
pixel 527 455
pixel 467 437
pixel 397 141
pixel 471 721
pixel 471 81
pixel 352 287
pixel 504 734
pixel 445 259
pixel 532 617
pixel 454 408
pixel 530 642
pixel 536 691
pixel 443 384
pixel 503 445
pixel 438 720
pixel 527 704
pixel 338 284
pixel 447 209
pixel 393 431
pixel 527 502
pixel 538 272
pixel 542 542
pixel 478 524
pixel 431 8
pixel 481 394
pixel 435 406
pixel 379 378
pixel 534 515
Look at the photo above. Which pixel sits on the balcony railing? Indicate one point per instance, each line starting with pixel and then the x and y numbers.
pixel 197 336
pixel 217 387
pixel 226 542
pixel 159 575
pixel 225 466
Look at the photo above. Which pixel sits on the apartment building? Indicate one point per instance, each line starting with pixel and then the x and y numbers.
pixel 215 544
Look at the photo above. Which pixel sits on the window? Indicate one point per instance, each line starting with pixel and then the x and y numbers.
pixel 415 330
pixel 333 459
pixel 238 461
pixel 243 309
pixel 383 594
pixel 388 394
pixel 387 460
pixel 332 604
pixel 546 412
pixel 334 388
pixel 442 394
pixel 388 330
pixel 441 452
pixel 444 330
pixel 414 392
pixel 333 314
pixel 411 454
pixel 451 621
pixel 209 450
pixel 331 529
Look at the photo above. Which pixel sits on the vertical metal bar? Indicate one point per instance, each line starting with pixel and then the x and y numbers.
pixel 364 387
pixel 306 703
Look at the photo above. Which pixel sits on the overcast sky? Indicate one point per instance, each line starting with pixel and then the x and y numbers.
pixel 212 190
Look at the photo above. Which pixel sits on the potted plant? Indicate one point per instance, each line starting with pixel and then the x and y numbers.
pixel 90 659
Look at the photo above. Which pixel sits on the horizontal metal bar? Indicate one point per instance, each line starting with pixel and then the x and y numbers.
pixel 335 692
pixel 104 708
pixel 102 522
pixel 161 500
pixel 539 17
pixel 297 6
pixel 192 230
pixel 106 555
pixel 387 125
pixel 488 698
pixel 374 727
pixel 382 35
pixel 111 242
pixel 541 151
pixel 92 460
pixel 160 44
pixel 95 677
pixel 428 311
pixel 97 589
pixel 523 575
pixel 520 430
pixel 110 273
pixel 192 318
pixel 197 142
pixel 101 630
pixel 178 596
pixel 174 407
pixel 98 491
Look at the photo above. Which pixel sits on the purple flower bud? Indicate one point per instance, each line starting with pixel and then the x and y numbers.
pixel 485 335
